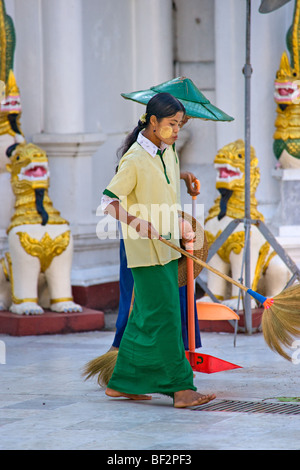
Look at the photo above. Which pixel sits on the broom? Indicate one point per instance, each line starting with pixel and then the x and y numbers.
pixel 280 321
pixel 281 315
pixel 104 365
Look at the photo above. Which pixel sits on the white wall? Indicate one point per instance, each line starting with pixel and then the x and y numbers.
pixel 195 59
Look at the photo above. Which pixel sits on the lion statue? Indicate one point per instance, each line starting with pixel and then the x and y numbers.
pixel 40 244
pixel 286 144
pixel 268 272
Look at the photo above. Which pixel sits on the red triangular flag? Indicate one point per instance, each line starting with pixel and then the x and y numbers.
pixel 208 364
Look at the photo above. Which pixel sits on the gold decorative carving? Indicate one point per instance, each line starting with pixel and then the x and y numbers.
pixel 261 264
pixel 46 248
pixel 235 242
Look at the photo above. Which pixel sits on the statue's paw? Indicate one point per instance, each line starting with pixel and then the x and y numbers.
pixel 26 308
pixel 65 307
pixel 3 306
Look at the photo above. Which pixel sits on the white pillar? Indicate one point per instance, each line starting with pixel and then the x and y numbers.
pixel 63 67
pixel 152 42
pixel 68 147
pixel 230 21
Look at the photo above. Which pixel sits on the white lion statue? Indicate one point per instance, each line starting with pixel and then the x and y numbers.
pixel 40 241
pixel 269 274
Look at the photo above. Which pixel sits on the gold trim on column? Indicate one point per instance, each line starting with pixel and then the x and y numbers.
pixel 235 242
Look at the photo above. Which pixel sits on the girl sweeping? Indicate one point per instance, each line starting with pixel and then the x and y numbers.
pixel 151 357
pixel 126 287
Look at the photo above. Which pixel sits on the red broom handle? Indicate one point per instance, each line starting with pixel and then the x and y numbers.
pixel 190 303
pixel 190 285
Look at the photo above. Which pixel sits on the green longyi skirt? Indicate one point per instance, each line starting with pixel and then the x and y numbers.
pixel 151 357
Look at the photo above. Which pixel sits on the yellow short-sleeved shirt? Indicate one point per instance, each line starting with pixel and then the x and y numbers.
pixel 149 188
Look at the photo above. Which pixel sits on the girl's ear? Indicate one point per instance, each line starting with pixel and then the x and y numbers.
pixel 153 120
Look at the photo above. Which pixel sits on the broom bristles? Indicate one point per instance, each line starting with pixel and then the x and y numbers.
pixel 281 321
pixel 103 366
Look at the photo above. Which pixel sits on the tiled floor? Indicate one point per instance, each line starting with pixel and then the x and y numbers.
pixel 46 404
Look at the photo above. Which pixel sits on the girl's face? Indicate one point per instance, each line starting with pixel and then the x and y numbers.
pixel 167 129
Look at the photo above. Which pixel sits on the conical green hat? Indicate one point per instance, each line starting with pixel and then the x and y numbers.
pixel 184 90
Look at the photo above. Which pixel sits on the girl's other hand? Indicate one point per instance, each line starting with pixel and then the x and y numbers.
pixel 144 228
pixel 187 234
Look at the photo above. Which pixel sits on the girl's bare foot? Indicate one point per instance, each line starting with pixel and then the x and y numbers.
pixel 115 394
pixel 186 398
